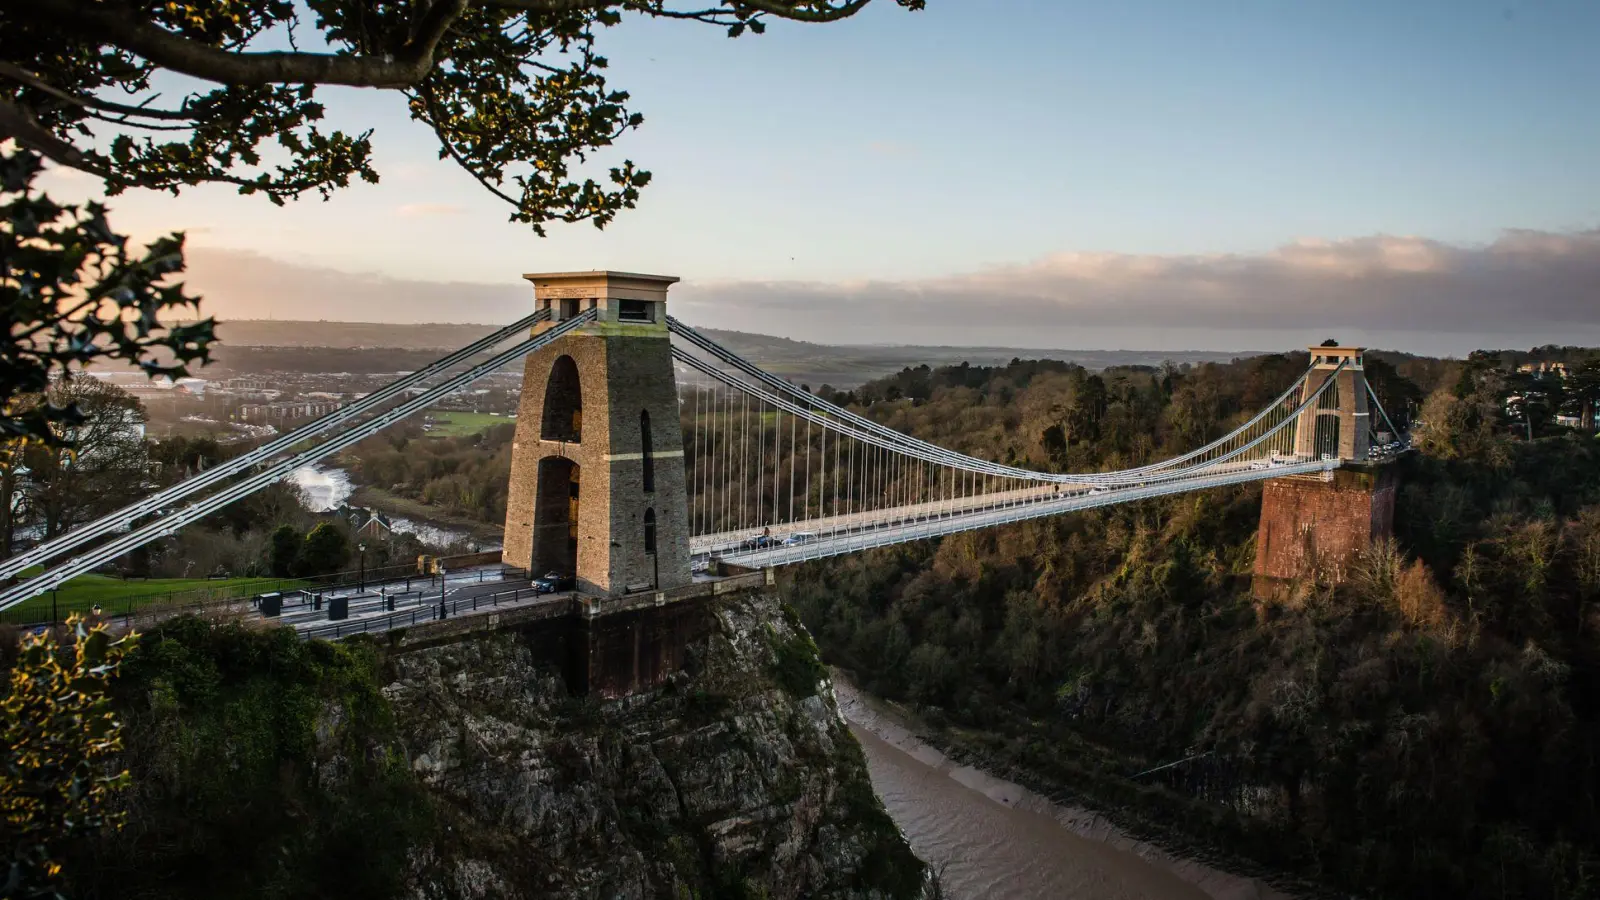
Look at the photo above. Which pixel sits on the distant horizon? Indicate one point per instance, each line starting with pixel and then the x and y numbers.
pixel 760 334
pixel 1246 352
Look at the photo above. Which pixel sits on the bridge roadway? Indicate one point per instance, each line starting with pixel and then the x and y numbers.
pixel 369 613
pixel 414 600
pixel 893 526
pixel 730 540
pixel 725 542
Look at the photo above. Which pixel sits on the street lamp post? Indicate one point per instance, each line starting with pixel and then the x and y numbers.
pixel 443 577
pixel 361 579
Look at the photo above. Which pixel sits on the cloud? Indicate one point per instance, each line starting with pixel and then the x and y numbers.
pixel 428 210
pixel 1525 283
pixel 1525 288
pixel 240 284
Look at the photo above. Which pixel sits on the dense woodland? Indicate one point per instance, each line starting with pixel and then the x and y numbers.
pixel 459 477
pixel 1429 728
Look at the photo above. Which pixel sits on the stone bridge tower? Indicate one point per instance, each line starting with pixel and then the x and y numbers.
pixel 597 478
pixel 1314 526
pixel 1339 424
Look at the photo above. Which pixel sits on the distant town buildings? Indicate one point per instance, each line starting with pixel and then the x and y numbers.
pixel 287 409
pixel 1544 369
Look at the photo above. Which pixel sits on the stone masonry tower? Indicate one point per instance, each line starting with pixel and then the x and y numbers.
pixel 597 480
pixel 1314 526
pixel 1339 424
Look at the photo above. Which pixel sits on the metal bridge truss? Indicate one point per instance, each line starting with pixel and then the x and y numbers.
pixel 160 500
pixel 166 522
pixel 777 475
pixel 760 454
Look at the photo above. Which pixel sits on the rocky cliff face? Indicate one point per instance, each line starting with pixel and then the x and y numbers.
pixel 738 778
pixel 266 767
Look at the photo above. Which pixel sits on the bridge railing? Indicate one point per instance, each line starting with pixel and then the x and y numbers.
pixel 144 610
pixel 903 532
pixel 122 609
pixel 429 611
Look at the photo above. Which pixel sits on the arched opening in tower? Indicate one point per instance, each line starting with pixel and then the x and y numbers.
pixel 563 403
pixel 555 522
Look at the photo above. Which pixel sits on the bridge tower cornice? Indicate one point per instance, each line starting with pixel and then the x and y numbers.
pixel 624 303
pixel 1331 357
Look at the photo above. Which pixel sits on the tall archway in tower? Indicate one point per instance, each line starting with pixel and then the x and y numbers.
pixel 563 403
pixel 555 516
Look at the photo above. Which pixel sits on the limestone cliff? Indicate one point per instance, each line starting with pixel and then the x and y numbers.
pixel 738 778
pixel 466 771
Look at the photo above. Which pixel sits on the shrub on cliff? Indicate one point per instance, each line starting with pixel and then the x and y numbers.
pixel 262 767
pixel 61 738
pixel 796 667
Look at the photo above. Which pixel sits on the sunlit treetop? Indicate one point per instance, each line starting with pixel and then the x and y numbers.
pixel 513 89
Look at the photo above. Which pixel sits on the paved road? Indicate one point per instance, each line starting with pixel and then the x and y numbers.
pixel 884 533
pixel 727 543
pixel 401 603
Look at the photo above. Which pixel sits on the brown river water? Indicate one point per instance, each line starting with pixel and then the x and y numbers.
pixel 990 838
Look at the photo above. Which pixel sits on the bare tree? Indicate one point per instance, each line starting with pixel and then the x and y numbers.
pixel 100 463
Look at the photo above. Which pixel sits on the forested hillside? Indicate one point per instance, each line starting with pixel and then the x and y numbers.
pixel 1429 728
pixel 459 477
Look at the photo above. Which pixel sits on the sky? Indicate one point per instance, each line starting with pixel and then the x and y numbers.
pixel 1151 174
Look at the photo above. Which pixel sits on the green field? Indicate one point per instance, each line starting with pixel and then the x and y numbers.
pixel 115 596
pixel 461 424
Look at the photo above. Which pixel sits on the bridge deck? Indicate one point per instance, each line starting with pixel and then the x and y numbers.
pixel 893 527
pixel 723 542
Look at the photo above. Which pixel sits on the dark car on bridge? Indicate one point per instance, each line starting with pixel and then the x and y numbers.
pixel 759 542
pixel 553 582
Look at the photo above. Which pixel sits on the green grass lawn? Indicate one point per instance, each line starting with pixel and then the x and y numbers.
pixel 114 595
pixel 461 424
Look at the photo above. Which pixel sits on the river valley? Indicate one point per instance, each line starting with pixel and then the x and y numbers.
pixel 325 487
pixel 990 838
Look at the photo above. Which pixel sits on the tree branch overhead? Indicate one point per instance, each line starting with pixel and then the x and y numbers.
pixel 520 79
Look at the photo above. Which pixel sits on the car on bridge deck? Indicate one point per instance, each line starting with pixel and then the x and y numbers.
pixel 759 542
pixel 553 582
pixel 800 537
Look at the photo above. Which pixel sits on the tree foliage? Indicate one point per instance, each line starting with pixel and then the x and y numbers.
pixel 283 551
pixel 61 737
pixel 460 477
pixel 324 550
pixel 265 766
pixel 513 90
pixel 74 293
pixel 1427 727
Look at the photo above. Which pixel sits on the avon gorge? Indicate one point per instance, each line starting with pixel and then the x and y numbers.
pixel 502 449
